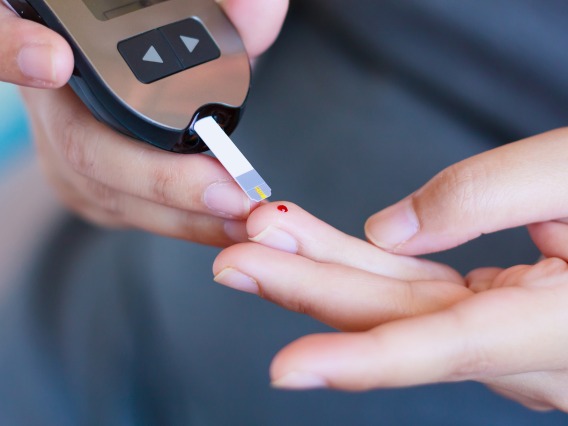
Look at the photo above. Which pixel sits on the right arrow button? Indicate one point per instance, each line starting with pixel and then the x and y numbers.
pixel 191 42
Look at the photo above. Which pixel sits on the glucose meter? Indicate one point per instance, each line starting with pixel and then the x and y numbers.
pixel 151 69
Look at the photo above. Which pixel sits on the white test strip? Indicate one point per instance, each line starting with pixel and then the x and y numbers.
pixel 232 159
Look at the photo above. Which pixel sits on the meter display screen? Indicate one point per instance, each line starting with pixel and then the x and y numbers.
pixel 108 9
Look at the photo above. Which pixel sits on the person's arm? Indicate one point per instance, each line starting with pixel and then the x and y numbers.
pixel 111 179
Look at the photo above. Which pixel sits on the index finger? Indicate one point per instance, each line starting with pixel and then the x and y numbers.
pixel 299 232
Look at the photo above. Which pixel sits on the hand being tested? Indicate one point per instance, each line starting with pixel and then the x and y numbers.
pixel 308 266
pixel 116 181
pixel 411 322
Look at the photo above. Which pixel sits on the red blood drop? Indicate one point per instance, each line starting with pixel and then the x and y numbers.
pixel 283 209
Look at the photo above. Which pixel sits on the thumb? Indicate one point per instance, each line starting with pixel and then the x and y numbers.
pixel 514 185
pixel 31 54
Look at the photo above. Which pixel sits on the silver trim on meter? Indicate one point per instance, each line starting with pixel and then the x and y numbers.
pixel 225 80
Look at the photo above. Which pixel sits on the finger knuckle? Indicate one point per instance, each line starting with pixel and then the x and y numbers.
pixel 472 360
pixel 101 218
pixel 95 215
pixel 407 303
pixel 165 183
pixel 301 305
pixel 199 229
pixel 189 225
pixel 307 298
pixel 463 184
pixel 72 139
pixel 106 198
pixel 68 196
pixel 301 301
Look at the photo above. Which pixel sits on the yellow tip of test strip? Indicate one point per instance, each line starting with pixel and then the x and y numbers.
pixel 232 159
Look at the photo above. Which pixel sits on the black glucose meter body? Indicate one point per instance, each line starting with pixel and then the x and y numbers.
pixel 151 68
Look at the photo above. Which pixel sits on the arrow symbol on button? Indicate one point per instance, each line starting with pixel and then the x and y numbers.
pixel 190 42
pixel 152 55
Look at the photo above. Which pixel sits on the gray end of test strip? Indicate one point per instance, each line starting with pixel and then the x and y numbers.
pixel 232 159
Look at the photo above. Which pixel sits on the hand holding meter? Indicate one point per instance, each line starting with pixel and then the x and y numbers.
pixel 151 69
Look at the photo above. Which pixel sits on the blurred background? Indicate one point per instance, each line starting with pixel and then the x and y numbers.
pixel 14 133
pixel 23 191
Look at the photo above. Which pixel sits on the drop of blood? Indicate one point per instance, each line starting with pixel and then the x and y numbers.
pixel 283 209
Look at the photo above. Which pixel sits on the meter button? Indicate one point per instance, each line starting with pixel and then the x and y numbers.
pixel 149 56
pixel 191 42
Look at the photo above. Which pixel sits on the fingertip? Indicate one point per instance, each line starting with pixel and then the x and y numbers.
pixel 258 21
pixel 481 279
pixel 64 62
pixel 232 257
pixel 220 261
pixel 298 380
pixel 301 355
pixel 235 279
pixel 274 225
pixel 33 55
pixel 330 360
pixel 44 65
pixel 271 214
pixel 392 228
pixel 226 199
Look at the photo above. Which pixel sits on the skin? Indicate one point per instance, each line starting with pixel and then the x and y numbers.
pixel 405 322
pixel 91 167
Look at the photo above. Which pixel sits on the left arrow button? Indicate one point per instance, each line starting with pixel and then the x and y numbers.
pixel 149 56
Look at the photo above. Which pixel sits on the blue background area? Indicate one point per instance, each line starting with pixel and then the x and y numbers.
pixel 14 131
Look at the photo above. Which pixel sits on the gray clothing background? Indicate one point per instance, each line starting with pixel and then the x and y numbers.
pixel 358 104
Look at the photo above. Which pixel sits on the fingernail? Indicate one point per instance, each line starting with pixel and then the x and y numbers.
pixel 394 226
pixel 278 239
pixel 227 199
pixel 37 62
pixel 236 231
pixel 232 278
pixel 300 381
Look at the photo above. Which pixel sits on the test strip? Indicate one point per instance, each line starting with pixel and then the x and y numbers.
pixel 232 159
